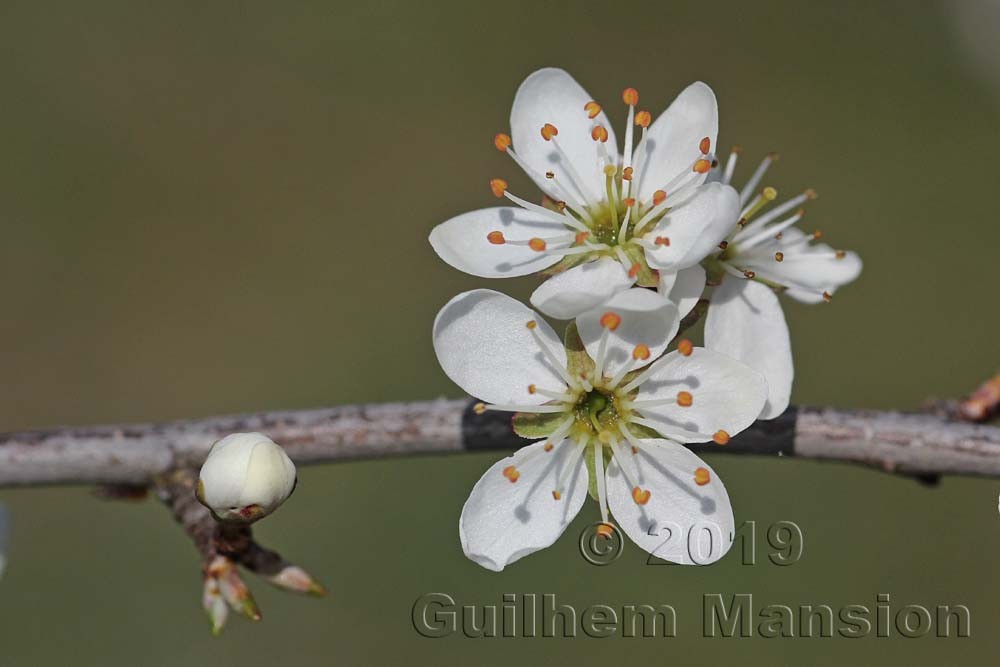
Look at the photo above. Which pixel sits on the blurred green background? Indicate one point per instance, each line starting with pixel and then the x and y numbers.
pixel 223 207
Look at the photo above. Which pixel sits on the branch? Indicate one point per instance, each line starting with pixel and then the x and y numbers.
pixel 913 444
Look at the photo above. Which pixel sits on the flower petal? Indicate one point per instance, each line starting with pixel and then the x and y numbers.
pixel 484 346
pixel 815 268
pixel 503 521
pixel 683 287
pixel 724 394
pixel 682 521
pixel 672 142
pixel 646 318
pixel 462 242
pixel 745 321
pixel 551 95
pixel 570 293
pixel 694 228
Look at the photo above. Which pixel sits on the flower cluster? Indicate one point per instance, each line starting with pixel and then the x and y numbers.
pixel 634 243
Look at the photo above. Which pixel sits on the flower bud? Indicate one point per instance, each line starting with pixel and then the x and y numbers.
pixel 245 477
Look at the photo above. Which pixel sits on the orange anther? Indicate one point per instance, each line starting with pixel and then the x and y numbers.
pixel 634 450
pixel 537 244
pixel 721 437
pixel 705 145
pixel 532 389
pixel 592 108
pixel 685 399
pixel 502 142
pixel 817 235
pixel 643 119
pixel 702 166
pixel 532 324
pixel 685 347
pixel 840 254
pixel 779 256
pixel 610 320
pixel 606 530
pixel 496 238
pixel 749 275
pixel 639 496
pixel 498 186
pixel 827 297
pixel 581 237
pixel 658 197
pixel 634 270
pixel 662 240
pixel 556 495
pixel 627 174
pixel 548 446
pixel 641 351
pixel 548 131
pixel 630 96
pixel 511 473
pixel 702 476
pixel 599 133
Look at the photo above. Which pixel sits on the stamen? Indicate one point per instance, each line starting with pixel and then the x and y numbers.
pixel 502 142
pixel 685 347
pixel 623 231
pixel 773 214
pixel 630 96
pixel 685 399
pixel 568 466
pixel 766 196
pixel 727 175
pixel 498 186
pixel 599 133
pixel 641 352
pixel 702 476
pixel 554 361
pixel 533 409
pixel 549 131
pixel 658 197
pixel 763 234
pixel 496 238
pixel 593 109
pixel 754 181
pixel 643 119
pixel 721 437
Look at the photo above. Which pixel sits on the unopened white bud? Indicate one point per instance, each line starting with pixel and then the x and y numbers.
pixel 245 477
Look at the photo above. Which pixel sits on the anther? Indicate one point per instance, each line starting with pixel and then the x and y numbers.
pixel 742 222
pixel 685 347
pixel 702 476
pixel 629 201
pixel 827 297
pixel 581 238
pixel 769 193
pixel 531 324
pixel 705 145
pixel 605 530
pixel 548 131
pixel 498 186
pixel 840 254
pixel 723 245
pixel 550 175
pixel 548 446
pixel 556 495
pixel 658 197
pixel 592 108
pixel 640 496
pixel 643 119
pixel 630 96
pixel 610 169
pixel 532 389
pixel 702 166
pixel 502 142
pixel 811 194
pixel 511 473
pixel 610 321
pixel 685 399
pixel 633 270
pixel 662 240
pixel 749 275
pixel 817 235
pixel 779 256
pixel 641 352
pixel 720 437
pixel 599 133
pixel 496 238
pixel 627 174
pixel 479 408
pixel 537 244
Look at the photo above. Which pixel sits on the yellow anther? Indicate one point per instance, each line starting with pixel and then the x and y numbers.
pixel 532 389
pixel 479 408
pixel 532 324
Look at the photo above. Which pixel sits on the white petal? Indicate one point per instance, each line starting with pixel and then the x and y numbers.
pixel 681 522
pixel 695 228
pixel 552 96
pixel 484 345
pixel 745 322
pixel 672 142
pixel 683 287
pixel 462 242
pixel 567 294
pixel 816 269
pixel 503 521
pixel 646 317
pixel 727 395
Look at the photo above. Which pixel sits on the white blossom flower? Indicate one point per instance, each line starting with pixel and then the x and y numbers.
pixel 609 219
pixel 601 405
pixel 762 252
pixel 245 477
